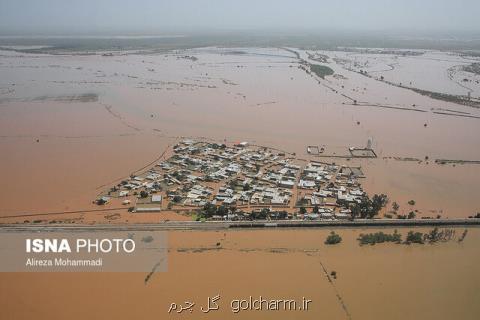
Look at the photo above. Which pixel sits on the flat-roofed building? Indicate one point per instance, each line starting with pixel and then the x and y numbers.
pixel 157 198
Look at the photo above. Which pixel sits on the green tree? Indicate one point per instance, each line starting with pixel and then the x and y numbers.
pixel 395 206
pixel 433 235
pixel 282 215
pixel 379 201
pixel 414 237
pixel 333 238
pixel 368 208
pixel 222 210
pixel 260 215
pixel 209 210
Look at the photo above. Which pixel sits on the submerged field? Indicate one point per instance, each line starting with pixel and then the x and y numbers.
pixel 394 281
pixel 72 124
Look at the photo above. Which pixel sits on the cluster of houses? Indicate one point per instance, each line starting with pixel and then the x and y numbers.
pixel 247 178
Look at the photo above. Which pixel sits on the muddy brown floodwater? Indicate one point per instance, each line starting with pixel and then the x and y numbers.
pixel 384 281
pixel 97 119
pixel 72 125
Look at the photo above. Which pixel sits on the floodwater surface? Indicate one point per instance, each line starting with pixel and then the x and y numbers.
pixel 72 123
pixel 384 281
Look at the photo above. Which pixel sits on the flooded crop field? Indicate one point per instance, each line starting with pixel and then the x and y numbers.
pixel 73 123
pixel 345 281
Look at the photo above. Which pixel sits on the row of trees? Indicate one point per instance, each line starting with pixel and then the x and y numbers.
pixel 379 237
pixel 433 236
pixel 209 210
pixel 267 214
pixel 368 208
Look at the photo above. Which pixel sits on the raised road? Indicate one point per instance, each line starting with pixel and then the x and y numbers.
pixel 219 225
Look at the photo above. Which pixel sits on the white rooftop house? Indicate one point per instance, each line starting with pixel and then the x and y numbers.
pixel 233 168
pixel 307 184
pixel 347 197
pixel 323 193
pixel 342 215
pixel 315 200
pixel 286 184
pixel 243 144
pixel 313 168
pixel 153 176
pixel 292 166
pixel 326 215
pixel 278 199
pixel 157 198
pixel 229 200
pixel 188 142
pixel 356 192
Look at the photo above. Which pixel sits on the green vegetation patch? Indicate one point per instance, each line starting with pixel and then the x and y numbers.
pixel 414 237
pixel 379 237
pixel 321 70
pixel 333 238
pixel 435 235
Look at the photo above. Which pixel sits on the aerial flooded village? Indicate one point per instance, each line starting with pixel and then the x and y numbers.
pixel 241 181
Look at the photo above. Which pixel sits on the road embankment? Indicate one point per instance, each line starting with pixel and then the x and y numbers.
pixel 218 225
